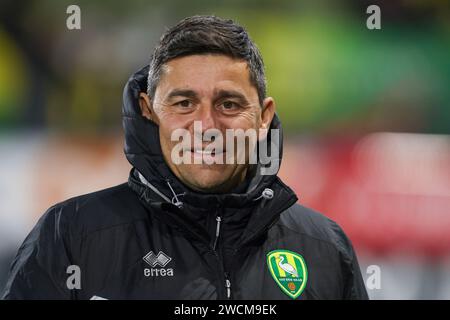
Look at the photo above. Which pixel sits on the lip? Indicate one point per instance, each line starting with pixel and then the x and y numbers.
pixel 203 152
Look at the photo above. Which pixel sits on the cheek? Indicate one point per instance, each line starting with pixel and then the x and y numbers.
pixel 244 121
pixel 168 124
pixel 165 135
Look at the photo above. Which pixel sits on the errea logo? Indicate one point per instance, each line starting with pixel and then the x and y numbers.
pixel 161 259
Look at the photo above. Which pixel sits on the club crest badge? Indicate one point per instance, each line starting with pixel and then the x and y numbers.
pixel 289 271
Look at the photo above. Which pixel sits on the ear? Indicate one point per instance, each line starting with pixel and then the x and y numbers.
pixel 267 113
pixel 146 107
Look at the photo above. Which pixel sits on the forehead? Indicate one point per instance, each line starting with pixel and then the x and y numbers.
pixel 206 73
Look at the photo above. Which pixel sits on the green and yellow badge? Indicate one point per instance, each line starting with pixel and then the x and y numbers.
pixel 289 271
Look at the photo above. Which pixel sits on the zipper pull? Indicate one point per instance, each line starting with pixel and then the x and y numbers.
pixel 228 286
pixel 218 219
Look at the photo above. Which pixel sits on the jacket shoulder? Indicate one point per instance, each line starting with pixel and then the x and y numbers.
pixel 48 247
pixel 97 210
pixel 317 226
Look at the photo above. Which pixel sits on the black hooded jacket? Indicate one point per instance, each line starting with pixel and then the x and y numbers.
pixel 153 238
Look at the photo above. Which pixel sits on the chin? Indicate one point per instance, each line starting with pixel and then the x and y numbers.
pixel 206 181
pixel 208 185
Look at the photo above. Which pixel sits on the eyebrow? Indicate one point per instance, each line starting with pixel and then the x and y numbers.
pixel 182 93
pixel 218 95
pixel 225 94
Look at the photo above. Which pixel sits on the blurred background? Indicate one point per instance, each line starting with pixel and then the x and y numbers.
pixel 366 116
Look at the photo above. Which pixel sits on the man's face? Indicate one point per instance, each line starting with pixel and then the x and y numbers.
pixel 213 89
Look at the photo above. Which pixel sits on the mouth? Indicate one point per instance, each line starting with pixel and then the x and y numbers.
pixel 203 152
pixel 205 156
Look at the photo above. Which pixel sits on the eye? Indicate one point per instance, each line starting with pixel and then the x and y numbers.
pixel 229 105
pixel 184 104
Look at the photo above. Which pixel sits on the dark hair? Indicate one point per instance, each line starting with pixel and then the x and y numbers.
pixel 203 35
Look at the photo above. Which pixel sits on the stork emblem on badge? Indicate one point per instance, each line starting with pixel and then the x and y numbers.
pixel 289 271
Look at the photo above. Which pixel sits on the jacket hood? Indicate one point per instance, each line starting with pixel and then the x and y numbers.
pixel 143 151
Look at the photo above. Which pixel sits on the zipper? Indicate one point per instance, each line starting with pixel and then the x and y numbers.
pixel 218 219
pixel 227 280
pixel 228 285
pixel 254 235
pixel 174 207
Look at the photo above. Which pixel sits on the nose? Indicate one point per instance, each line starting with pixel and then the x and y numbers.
pixel 209 130
pixel 207 116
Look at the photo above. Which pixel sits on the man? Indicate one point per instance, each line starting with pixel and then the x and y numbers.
pixel 191 229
